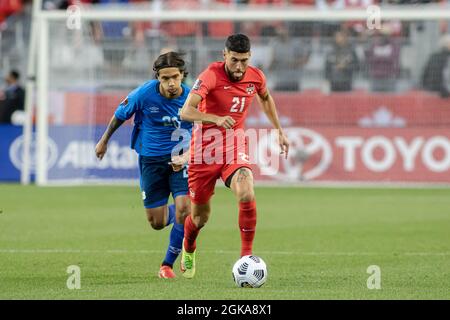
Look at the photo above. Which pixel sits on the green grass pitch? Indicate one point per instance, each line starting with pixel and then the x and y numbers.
pixel 317 243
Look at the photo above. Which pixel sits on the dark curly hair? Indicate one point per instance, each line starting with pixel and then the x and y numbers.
pixel 238 43
pixel 170 60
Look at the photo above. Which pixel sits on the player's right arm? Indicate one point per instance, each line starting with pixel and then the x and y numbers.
pixel 102 145
pixel 203 85
pixel 124 111
pixel 190 113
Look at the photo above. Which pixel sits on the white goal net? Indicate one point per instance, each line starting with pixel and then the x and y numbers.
pixel 362 93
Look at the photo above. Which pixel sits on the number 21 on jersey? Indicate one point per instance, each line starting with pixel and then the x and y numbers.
pixel 238 104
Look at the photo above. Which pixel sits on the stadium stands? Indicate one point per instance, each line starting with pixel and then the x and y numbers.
pixel 116 45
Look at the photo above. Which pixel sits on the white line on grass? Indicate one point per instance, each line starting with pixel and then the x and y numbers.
pixel 125 251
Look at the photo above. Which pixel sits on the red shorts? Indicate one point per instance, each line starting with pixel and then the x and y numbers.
pixel 202 179
pixel 202 176
pixel 204 170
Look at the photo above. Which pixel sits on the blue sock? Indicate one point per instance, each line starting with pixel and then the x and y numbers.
pixel 171 218
pixel 175 244
pixel 175 239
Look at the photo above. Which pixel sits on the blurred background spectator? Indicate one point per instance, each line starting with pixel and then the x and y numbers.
pixel 113 34
pixel 436 75
pixel 329 27
pixel 296 55
pixel 289 57
pixel 383 60
pixel 341 63
pixel 12 99
pixel 9 7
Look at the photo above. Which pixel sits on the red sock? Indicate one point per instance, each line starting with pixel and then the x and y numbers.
pixel 190 234
pixel 247 225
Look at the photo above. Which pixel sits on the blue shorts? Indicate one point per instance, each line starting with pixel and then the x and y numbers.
pixel 158 180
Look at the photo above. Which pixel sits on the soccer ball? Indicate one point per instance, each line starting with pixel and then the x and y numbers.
pixel 250 272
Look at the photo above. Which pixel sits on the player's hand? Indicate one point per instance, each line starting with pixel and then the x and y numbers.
pixel 284 144
pixel 178 162
pixel 100 149
pixel 227 122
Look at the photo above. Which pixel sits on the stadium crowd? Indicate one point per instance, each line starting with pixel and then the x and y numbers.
pixel 297 55
pixel 11 7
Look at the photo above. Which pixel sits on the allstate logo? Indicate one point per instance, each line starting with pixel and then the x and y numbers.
pixel 16 153
pixel 310 155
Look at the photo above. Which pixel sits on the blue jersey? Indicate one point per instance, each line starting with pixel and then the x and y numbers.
pixel 158 128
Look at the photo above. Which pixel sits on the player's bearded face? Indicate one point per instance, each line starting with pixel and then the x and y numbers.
pixel 170 82
pixel 236 64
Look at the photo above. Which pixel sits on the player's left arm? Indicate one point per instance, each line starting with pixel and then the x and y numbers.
pixel 268 106
pixel 179 162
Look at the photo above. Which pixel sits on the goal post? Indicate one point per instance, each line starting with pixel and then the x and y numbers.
pixel 416 13
pixel 29 96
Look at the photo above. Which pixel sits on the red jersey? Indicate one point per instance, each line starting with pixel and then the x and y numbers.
pixel 222 97
pixel 221 152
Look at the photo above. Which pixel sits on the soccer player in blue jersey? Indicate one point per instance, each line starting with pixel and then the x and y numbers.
pixel 162 159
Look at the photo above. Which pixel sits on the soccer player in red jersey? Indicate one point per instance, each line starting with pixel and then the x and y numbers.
pixel 220 99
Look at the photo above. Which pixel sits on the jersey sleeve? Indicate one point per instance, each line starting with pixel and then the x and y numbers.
pixel 262 88
pixel 205 82
pixel 128 106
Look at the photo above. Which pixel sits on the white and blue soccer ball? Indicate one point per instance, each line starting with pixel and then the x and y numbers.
pixel 250 272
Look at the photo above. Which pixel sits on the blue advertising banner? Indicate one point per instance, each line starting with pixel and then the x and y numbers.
pixel 9 162
pixel 71 154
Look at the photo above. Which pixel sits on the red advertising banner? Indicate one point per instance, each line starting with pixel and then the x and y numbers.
pixel 350 137
pixel 363 109
pixel 415 108
pixel 356 154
